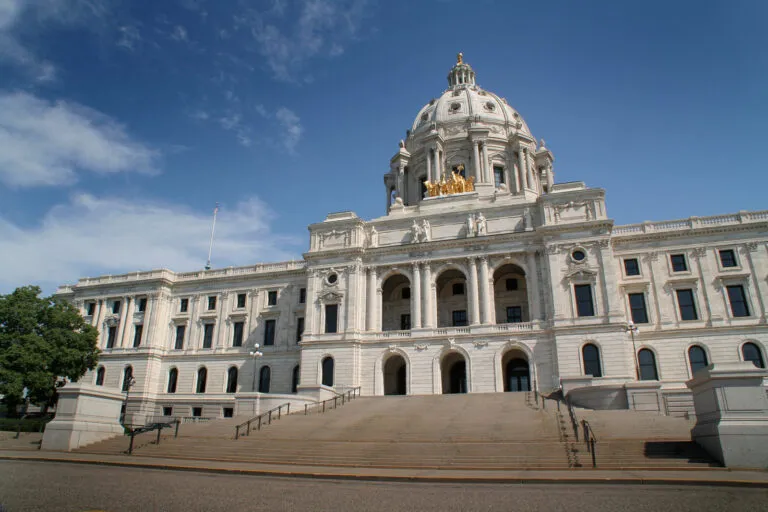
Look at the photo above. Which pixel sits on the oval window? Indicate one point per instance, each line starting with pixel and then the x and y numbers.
pixel 578 255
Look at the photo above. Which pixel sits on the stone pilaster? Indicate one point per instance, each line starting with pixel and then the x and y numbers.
pixel 372 301
pixel 485 300
pixel 534 287
pixel 122 321
pixel 427 316
pixel 474 299
pixel 416 297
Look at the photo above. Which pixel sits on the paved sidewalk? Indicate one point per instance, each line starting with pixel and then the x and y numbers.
pixel 714 476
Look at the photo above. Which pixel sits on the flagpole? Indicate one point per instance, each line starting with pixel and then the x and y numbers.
pixel 213 229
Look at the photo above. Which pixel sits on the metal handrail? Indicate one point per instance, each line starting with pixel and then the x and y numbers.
pixel 590 439
pixel 258 419
pixel 149 428
pixel 572 414
pixel 347 396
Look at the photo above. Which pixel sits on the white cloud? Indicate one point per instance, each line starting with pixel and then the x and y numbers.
pixel 179 33
pixel 129 37
pixel 44 143
pixel 92 235
pixel 291 128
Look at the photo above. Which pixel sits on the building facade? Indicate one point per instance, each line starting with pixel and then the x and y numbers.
pixel 484 275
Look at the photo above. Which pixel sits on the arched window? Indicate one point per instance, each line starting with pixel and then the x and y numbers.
pixel 328 372
pixel 751 352
pixel 100 373
pixel 202 376
pixel 127 378
pixel 697 357
pixel 232 380
pixel 591 355
pixel 265 375
pixel 173 378
pixel 647 363
pixel 295 382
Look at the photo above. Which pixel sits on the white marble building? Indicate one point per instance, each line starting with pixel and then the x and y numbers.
pixel 502 281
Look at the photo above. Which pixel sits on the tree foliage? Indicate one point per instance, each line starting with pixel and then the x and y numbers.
pixel 44 343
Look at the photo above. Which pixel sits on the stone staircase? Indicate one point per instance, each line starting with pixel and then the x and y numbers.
pixel 475 431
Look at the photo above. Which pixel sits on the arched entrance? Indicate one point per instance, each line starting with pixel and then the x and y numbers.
pixel 452 311
pixel 395 375
pixel 396 303
pixel 453 370
pixel 517 371
pixel 510 295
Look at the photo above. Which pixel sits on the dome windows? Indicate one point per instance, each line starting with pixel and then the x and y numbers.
pixel 455 107
pixel 490 106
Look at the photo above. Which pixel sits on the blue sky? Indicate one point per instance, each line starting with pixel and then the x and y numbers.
pixel 122 122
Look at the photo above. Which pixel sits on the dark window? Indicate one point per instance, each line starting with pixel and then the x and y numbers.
pixel 406 293
pixel 197 412
pixel 111 335
pixel 184 305
pixel 229 412
pixel 173 379
pixel 202 377
pixel 207 335
pixel 167 411
pixel 240 300
pixel 90 309
pixel 584 305
pixel 127 378
pixel 405 322
pixel 458 288
pixel 180 336
pixel 232 380
pixel 578 255
pixel 637 308
pixel 265 375
pixel 514 314
pixel 237 338
pixel 100 373
pixel 678 263
pixel 591 356
pixel 138 331
pixel 728 258
pixel 272 298
pixel 459 318
pixel 512 284
pixel 142 304
pixel 331 317
pixel 211 303
pixel 295 380
pixel 332 278
pixel 686 305
pixel 299 328
pixel 498 175
pixel 698 358
pixel 269 332
pixel 327 379
pixel 738 298
pixel 752 353
pixel 116 307
pixel 647 363
pixel 302 295
pixel 631 267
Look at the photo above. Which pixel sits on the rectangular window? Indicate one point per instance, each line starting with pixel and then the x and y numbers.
pixel 211 303
pixel 405 322
pixel 207 335
pixel 331 317
pixel 180 329
pixel 459 318
pixel 90 309
pixel 498 175
pixel 406 293
pixel 686 305
pixel 631 267
pixel 139 330
pixel 511 285
pixel 678 263
pixel 240 300
pixel 272 298
pixel 184 305
pixel 197 412
pixel 458 288
pixel 237 338
pixel 269 332
pixel 111 335
pixel 514 314
pixel 637 308
pixel 299 328
pixel 728 258
pixel 229 412
pixel 167 411
pixel 302 295
pixel 584 305
pixel 142 304
pixel 738 298
pixel 116 307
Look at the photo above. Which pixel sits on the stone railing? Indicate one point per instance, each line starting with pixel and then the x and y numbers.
pixel 690 223
pixel 453 331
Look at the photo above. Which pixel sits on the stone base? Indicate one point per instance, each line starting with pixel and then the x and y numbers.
pixel 735 445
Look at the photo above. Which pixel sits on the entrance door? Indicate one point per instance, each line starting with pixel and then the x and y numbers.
pixel 458 377
pixel 394 376
pixel 518 376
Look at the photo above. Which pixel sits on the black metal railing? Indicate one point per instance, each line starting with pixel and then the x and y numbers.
pixel 590 439
pixel 345 397
pixel 133 432
pixel 265 417
pixel 572 414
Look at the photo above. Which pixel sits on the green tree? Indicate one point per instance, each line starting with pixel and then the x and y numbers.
pixel 44 343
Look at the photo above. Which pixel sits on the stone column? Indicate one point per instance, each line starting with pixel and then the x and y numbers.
pixel 416 297
pixel 253 310
pixel 484 158
pixel 96 312
pixel 755 256
pixel 100 317
pixel 664 303
pixel 219 337
pixel 372 299
pixel 608 277
pixel 430 178
pixel 352 302
pixel 532 283
pixel 521 168
pixel 122 321
pixel 401 182
pixel 474 299
pixel 149 312
pixel 427 315
pixel 529 172
pixel 485 301
pixel 478 166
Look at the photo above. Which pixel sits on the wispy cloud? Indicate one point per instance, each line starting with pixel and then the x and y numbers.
pixel 129 38
pixel 179 33
pixel 291 128
pixel 45 143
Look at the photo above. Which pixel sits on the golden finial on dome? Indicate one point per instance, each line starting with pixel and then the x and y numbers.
pixel 460 58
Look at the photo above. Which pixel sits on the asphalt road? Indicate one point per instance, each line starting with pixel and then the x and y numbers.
pixel 53 486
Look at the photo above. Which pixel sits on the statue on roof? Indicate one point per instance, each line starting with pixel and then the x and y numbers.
pixel 460 58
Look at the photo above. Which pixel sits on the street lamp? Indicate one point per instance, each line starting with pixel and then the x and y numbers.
pixel 255 354
pixel 632 329
pixel 129 382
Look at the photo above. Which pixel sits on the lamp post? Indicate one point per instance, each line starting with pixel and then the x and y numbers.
pixel 128 385
pixel 255 354
pixel 632 329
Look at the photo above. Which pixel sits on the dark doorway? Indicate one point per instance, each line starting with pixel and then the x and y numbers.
pixel 395 375
pixel 454 373
pixel 327 378
pixel 517 376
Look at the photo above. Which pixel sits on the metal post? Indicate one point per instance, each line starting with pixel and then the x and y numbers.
pixel 159 430
pixel 324 405
pixel 130 446
pixel 260 422
pixel 594 458
pixel 270 418
pixel 178 422
pixel 237 432
pixel 280 412
pixel 289 408
pixel 306 406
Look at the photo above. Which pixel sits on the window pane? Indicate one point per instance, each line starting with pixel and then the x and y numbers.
pixel 405 322
pixel 637 308
pixel 459 318
pixel 142 304
pixel 327 371
pixel 514 314
pixel 211 303
pixel 208 336
pixel 265 376
pixel 91 309
pixel 584 306
pixel 116 307
pixel 331 318
pixel 678 263
pixel 498 175
pixel 686 305
pixel 631 267
pixel 111 335
pixel 592 360
pixel 127 377
pixel 728 258
pixel 202 376
pixel 184 305
pixel 302 296
pixel 240 300
pixel 271 298
pixel 237 340
pixel 458 289
pixel 647 363
pixel 173 377
pixel 180 337
pixel 406 293
pixel 511 284
pixel 299 328
pixel 752 353
pixel 269 332
pixel 697 358
pixel 232 380
pixel 138 331
pixel 100 373
pixel 295 380
pixel 738 298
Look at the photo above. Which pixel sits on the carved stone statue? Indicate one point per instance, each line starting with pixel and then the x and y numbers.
pixel 527 220
pixel 470 225
pixel 426 233
pixel 402 144
pixel 480 224
pixel 374 237
pixel 415 233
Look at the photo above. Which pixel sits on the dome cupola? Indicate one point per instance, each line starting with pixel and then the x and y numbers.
pixel 461 74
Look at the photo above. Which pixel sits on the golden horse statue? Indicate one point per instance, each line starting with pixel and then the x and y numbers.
pixel 456 184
